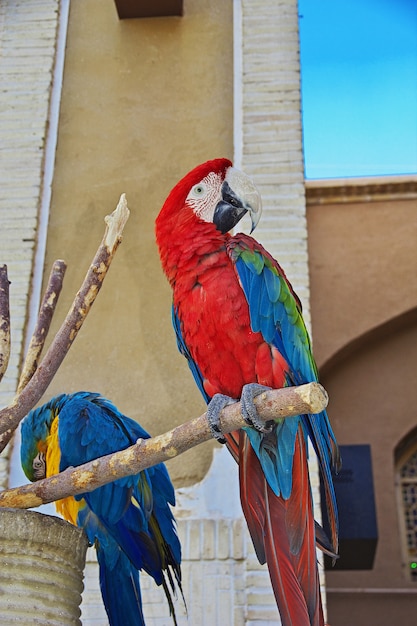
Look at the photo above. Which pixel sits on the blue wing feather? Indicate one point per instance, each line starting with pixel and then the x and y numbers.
pixel 87 431
pixel 275 311
pixel 195 370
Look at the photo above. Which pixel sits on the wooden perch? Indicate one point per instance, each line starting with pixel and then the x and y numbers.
pixel 271 405
pixel 4 320
pixel 37 385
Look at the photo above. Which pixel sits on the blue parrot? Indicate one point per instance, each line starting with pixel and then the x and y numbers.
pixel 129 521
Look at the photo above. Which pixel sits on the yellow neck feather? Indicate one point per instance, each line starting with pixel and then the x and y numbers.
pixel 67 507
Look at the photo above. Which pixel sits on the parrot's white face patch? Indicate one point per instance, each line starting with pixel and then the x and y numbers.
pixel 204 196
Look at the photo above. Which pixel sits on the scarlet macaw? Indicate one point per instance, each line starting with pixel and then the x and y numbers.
pixel 239 324
pixel 129 521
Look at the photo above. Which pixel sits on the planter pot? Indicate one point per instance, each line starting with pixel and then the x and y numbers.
pixel 42 560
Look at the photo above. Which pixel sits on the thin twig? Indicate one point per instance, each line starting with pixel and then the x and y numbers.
pixel 36 387
pixel 43 323
pixel 4 320
pixel 274 404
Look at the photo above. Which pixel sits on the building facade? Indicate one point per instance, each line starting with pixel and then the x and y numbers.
pixel 362 237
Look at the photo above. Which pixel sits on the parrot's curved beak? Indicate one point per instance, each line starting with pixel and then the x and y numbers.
pixel 239 196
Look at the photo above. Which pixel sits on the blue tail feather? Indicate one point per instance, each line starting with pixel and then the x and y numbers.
pixel 120 587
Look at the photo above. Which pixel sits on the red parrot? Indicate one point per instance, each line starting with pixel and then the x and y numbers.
pixel 240 326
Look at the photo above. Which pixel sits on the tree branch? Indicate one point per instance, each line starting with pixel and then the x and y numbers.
pixel 274 404
pixel 4 320
pixel 36 387
pixel 46 312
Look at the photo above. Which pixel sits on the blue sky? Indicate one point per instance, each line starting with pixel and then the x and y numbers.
pixel 359 87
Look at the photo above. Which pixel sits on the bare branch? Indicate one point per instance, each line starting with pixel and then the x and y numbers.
pixel 4 321
pixel 36 387
pixel 274 404
pixel 46 311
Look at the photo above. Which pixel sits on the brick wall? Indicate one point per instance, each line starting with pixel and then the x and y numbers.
pixel 272 134
pixel 28 31
pixel 270 143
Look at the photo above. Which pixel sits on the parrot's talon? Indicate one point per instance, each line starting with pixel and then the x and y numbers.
pixel 248 409
pixel 214 408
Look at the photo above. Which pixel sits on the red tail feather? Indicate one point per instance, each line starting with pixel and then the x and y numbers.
pixel 232 443
pixel 283 535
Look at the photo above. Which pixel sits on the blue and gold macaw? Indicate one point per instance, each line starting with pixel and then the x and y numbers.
pixel 129 521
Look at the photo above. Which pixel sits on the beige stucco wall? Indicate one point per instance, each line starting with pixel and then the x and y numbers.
pixel 143 101
pixel 362 259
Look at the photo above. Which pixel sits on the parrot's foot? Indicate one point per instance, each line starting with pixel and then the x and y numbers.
pixel 248 409
pixel 214 408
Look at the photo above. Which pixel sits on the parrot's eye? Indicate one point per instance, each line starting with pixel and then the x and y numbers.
pixel 39 466
pixel 198 190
